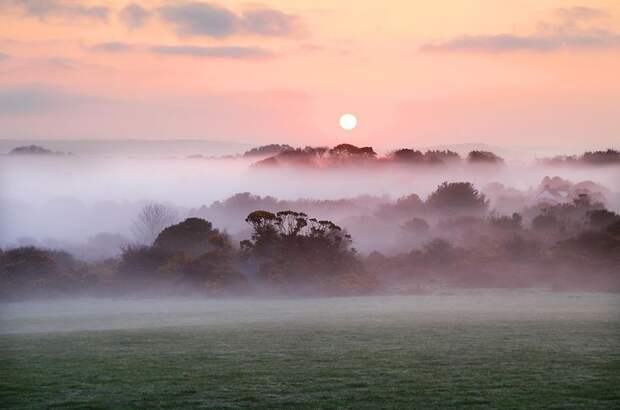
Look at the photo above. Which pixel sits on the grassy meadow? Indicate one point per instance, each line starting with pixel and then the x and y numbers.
pixel 469 349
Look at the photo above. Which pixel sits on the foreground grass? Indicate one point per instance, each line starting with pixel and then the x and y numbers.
pixel 398 361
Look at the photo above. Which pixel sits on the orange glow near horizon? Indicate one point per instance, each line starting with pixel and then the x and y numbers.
pixel 419 73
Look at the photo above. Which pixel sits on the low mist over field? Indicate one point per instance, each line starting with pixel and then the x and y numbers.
pixel 467 348
pixel 80 314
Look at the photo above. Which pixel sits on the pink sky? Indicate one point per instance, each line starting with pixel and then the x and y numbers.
pixel 416 73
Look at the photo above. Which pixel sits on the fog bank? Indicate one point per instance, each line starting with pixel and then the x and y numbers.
pixel 63 315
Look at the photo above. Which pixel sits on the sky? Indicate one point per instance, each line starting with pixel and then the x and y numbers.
pixel 526 73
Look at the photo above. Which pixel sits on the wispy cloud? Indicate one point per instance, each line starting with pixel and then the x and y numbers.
pixel 44 9
pixel 269 22
pixel 112 47
pixel 3 56
pixel 134 15
pixel 581 13
pixel 214 52
pixel 569 33
pixel 200 19
pixel 540 43
pixel 207 19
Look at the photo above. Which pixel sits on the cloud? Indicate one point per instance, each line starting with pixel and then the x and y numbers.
pixel 213 52
pixel 581 13
pixel 37 100
pixel 112 47
pixel 537 43
pixel 200 19
pixel 61 62
pixel 269 22
pixel 134 15
pixel 568 34
pixel 44 9
pixel 206 19
pixel 4 56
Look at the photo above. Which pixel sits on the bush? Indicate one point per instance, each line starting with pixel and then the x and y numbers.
pixel 457 196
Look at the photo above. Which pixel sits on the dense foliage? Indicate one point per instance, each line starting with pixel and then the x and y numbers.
pixel 300 254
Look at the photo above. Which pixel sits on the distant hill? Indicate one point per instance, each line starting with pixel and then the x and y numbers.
pixel 34 150
pixel 132 148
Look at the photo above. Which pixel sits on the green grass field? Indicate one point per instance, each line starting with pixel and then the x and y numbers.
pixel 454 351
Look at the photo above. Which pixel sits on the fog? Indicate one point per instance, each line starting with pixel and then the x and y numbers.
pixel 279 221
pixel 78 314
pixel 72 198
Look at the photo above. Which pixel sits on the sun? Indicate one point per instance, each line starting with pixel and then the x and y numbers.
pixel 348 122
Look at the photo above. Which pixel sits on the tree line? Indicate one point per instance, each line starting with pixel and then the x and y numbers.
pixel 454 239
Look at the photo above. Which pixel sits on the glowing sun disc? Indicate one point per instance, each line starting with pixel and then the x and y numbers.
pixel 348 122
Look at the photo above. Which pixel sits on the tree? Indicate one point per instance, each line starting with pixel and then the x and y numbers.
pixel 190 252
pixel 602 218
pixel 545 221
pixel 141 260
pixel 601 157
pixel 267 150
pixel 404 207
pixel 484 157
pixel 348 150
pixel 194 236
pixel 417 226
pixel 441 157
pixel 457 196
pixel 295 252
pixel 440 252
pixel 153 218
pixel 29 268
pixel 507 222
pixel 407 155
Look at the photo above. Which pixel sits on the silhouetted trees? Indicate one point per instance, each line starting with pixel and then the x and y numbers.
pixel 189 253
pixel 451 239
pixel 298 254
pixel 457 196
pixel 351 155
pixel 417 226
pixel 31 270
pixel 151 220
pixel 607 157
pixel 484 157
pixel 406 155
pixel 267 150
pixel 34 150
pixel 194 236
pixel 404 207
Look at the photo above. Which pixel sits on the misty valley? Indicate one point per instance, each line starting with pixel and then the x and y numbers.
pixel 475 229
pixel 353 204
pixel 309 277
